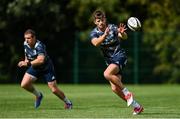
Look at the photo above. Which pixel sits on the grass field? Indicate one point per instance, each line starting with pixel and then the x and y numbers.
pixel 90 101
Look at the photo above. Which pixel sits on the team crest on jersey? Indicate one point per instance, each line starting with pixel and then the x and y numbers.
pixel 34 52
pixel 53 77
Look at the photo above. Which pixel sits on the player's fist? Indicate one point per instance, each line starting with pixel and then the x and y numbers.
pixel 22 64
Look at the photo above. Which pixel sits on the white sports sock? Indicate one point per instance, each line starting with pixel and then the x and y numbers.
pixel 135 104
pixel 66 100
pixel 125 91
pixel 36 93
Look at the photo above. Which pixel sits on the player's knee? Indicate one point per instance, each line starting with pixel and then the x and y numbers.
pixel 54 90
pixel 24 85
pixel 107 75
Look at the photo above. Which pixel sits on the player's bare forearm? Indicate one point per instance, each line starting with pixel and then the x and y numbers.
pixel 97 41
pixel 123 35
pixel 26 60
pixel 38 61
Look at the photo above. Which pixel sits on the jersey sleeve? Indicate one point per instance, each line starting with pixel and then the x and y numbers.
pixel 25 49
pixel 41 50
pixel 93 35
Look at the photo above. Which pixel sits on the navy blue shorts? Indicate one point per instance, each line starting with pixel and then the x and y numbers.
pixel 48 74
pixel 119 59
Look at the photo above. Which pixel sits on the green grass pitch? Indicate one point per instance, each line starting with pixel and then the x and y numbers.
pixel 90 101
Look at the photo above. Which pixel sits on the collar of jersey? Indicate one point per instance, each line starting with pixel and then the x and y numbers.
pixel 37 43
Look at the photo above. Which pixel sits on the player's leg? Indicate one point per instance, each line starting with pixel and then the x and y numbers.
pixel 117 91
pixel 55 90
pixel 27 84
pixel 49 76
pixel 111 74
pixel 60 94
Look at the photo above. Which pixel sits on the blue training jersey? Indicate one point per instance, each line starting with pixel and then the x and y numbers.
pixel 111 45
pixel 32 53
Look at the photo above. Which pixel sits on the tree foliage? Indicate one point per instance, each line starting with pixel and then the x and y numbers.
pixel 163 24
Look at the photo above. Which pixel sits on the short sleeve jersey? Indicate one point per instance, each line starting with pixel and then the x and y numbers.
pixel 32 53
pixel 111 45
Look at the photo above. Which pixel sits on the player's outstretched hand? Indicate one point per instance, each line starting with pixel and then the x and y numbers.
pixel 122 28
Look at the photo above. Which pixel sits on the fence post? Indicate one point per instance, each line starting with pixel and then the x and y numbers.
pixel 136 58
pixel 76 60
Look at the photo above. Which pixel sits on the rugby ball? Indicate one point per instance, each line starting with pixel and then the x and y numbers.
pixel 133 23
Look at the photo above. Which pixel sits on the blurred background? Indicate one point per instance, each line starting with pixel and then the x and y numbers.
pixel 64 26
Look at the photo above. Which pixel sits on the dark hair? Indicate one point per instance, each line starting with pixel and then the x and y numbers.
pixel 98 14
pixel 30 31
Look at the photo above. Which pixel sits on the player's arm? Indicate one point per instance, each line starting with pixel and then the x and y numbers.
pixel 26 60
pixel 97 41
pixel 121 31
pixel 123 35
pixel 23 63
pixel 38 61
